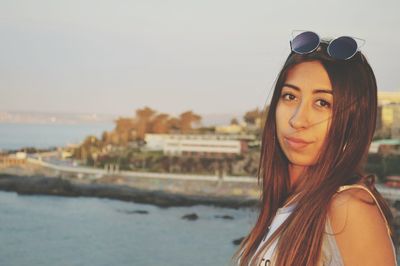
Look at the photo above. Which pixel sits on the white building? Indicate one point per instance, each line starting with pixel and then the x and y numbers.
pixel 230 129
pixel 197 144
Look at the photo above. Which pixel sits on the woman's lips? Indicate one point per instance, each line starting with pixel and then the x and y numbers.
pixel 296 143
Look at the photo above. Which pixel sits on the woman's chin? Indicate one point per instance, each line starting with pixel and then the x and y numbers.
pixel 301 160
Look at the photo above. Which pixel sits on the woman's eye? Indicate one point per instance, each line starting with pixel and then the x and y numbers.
pixel 324 103
pixel 291 96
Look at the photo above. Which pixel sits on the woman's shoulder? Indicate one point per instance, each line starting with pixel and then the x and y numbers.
pixel 354 193
pixel 355 201
pixel 360 227
pixel 353 198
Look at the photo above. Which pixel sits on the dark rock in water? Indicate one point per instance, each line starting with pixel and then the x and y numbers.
pixel 141 212
pixel 238 241
pixel 134 211
pixel 190 217
pixel 227 217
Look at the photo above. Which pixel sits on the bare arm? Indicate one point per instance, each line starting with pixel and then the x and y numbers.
pixel 360 229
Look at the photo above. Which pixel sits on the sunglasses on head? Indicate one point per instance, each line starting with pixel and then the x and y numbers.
pixel 340 48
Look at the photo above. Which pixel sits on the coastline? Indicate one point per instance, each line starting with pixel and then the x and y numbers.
pixel 59 186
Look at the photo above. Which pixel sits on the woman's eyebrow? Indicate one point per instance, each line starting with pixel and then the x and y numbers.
pixel 314 91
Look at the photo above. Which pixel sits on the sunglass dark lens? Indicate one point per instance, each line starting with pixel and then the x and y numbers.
pixel 342 48
pixel 305 42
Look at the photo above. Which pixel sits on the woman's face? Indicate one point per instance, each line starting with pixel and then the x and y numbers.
pixel 304 112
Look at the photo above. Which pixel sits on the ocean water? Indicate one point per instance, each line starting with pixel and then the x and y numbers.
pixel 15 136
pixel 55 230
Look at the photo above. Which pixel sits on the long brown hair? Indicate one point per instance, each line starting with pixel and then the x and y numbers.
pixel 344 156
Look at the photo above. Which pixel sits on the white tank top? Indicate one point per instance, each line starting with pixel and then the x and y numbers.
pixel 330 251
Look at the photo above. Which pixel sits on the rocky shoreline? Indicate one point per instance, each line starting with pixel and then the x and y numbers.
pixel 61 186
pixel 39 185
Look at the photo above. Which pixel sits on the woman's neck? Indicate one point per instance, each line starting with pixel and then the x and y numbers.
pixel 294 172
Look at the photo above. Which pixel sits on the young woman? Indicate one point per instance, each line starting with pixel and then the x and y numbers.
pixel 318 206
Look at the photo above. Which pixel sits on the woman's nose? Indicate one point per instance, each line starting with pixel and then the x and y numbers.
pixel 299 118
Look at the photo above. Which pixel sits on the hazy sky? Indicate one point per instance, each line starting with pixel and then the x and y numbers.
pixel 209 56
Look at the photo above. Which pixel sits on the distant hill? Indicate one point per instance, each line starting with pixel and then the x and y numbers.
pixel 25 117
pixel 53 118
pixel 220 119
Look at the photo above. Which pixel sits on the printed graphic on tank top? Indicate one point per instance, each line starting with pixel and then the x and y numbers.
pixel 281 215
